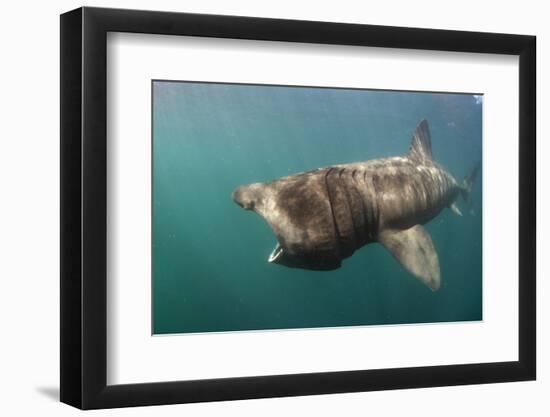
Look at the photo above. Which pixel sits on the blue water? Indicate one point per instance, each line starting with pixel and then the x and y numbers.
pixel 210 269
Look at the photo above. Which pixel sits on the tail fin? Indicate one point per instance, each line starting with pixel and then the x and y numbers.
pixel 467 184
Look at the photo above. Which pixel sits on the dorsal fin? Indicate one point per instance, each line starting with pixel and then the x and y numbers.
pixel 421 143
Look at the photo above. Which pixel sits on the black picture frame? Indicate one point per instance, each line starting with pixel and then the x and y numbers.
pixel 84 207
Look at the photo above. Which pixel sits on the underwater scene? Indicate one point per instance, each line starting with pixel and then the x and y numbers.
pixel 285 207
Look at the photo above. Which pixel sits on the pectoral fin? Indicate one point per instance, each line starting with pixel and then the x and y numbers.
pixel 455 209
pixel 414 249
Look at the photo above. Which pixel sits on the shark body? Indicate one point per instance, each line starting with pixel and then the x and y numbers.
pixel 323 216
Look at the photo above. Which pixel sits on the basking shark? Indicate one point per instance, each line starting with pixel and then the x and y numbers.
pixel 323 216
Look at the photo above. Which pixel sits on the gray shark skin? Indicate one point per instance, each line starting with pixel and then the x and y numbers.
pixel 323 216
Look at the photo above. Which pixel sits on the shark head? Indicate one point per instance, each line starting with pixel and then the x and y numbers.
pixel 259 198
pixel 250 196
pixel 302 225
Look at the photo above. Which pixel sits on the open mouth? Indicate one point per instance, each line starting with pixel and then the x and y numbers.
pixel 276 253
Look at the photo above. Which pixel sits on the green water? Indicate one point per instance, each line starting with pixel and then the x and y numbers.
pixel 210 269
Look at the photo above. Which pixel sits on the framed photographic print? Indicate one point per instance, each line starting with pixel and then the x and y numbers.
pixel 258 207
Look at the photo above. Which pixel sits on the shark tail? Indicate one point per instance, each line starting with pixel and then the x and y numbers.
pixel 467 184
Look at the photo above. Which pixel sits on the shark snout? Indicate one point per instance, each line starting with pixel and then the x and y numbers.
pixel 247 196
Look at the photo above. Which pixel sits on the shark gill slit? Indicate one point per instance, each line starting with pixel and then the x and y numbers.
pixel 358 199
pixel 369 207
pixel 358 190
pixel 375 207
pixel 350 209
pixel 335 226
